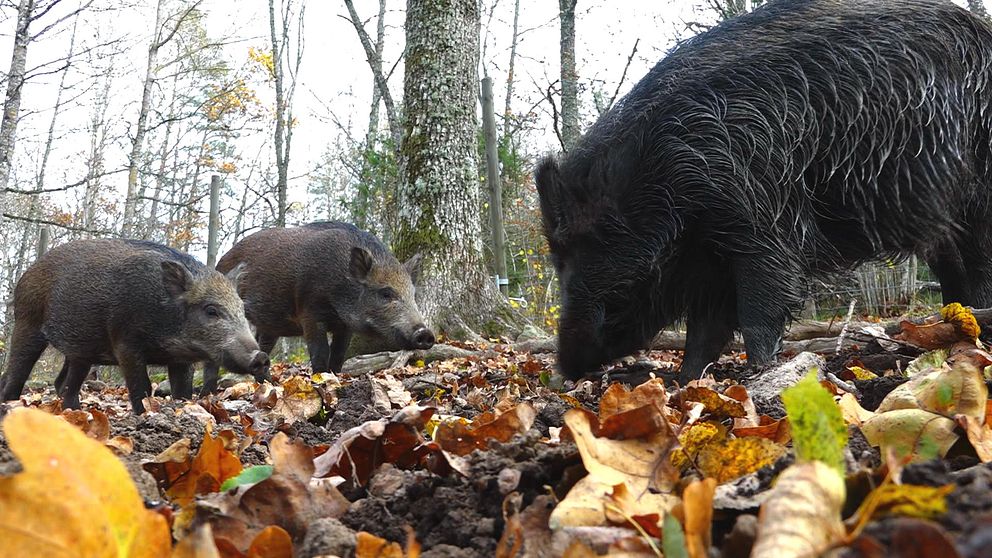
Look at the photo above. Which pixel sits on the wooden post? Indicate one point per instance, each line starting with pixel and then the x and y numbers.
pixel 44 235
pixel 214 224
pixel 495 187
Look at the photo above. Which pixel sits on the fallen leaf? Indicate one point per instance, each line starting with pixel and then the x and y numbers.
pixel 980 436
pixel 914 433
pixel 213 464
pixel 927 362
pixel 932 336
pixel 751 418
pixel 697 508
pixel 801 517
pixel 388 392
pixel 736 457
pixel 673 542
pixel 198 544
pixel 271 542
pixel 617 399
pixel 462 438
pixel 287 499
pixel 716 405
pixel 924 502
pixel 852 411
pixel 73 497
pixel 298 400
pixel 250 475
pixel 916 538
pixel 777 431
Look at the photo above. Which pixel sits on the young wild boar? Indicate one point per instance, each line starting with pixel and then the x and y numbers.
pixel 322 278
pixel 804 138
pixel 129 303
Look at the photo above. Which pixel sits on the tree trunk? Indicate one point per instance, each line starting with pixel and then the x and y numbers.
pixel 282 170
pixel 439 213
pixel 363 205
pixel 569 78
pixel 507 107
pixel 137 143
pixel 15 87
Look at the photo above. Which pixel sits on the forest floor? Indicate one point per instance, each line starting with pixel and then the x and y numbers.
pixel 491 454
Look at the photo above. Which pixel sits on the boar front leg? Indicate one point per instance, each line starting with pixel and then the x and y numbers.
pixel 135 372
pixel 315 334
pixel 75 374
pixel 339 346
pixel 181 381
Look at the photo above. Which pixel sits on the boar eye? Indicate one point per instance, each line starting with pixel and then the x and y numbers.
pixel 388 294
pixel 211 311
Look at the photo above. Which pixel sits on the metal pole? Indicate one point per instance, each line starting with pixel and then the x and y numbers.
pixel 214 224
pixel 495 186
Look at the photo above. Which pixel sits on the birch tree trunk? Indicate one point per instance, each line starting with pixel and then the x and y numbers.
pixel 439 212
pixel 12 102
pixel 569 78
pixel 138 142
pixel 977 7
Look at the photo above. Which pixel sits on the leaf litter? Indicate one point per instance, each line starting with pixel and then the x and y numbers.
pixel 479 455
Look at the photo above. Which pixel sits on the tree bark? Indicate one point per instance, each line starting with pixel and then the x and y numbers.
pixel 284 98
pixel 439 213
pixel 569 77
pixel 12 102
pixel 507 107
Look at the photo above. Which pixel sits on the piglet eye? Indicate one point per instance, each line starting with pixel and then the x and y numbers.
pixel 211 310
pixel 388 294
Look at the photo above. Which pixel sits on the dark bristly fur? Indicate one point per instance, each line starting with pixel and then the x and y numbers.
pixel 806 137
pixel 326 277
pixel 130 303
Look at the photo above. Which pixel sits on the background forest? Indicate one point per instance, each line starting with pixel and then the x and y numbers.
pixel 118 114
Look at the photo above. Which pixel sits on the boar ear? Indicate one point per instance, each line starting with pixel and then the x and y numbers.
pixel 549 191
pixel 176 278
pixel 413 265
pixel 361 263
pixel 235 275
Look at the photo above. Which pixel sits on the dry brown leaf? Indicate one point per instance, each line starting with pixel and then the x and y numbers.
pixel 461 439
pixel 388 392
pixel 932 336
pixel 777 431
pixel 617 399
pixel 751 418
pixel 717 405
pixel 980 436
pixel 358 452
pixel 637 463
pixel 213 464
pixel 198 544
pixel 286 499
pixel 801 517
pixel 271 542
pixel 298 400
pixel 697 512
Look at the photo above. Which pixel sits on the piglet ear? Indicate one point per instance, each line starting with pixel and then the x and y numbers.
pixel 549 190
pixel 176 278
pixel 361 263
pixel 413 266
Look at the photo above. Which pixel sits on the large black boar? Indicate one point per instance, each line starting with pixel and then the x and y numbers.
pixel 322 278
pixel 806 137
pixel 129 303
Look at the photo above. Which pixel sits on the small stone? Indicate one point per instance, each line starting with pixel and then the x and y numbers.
pixel 530 333
pixel 163 389
pixel 95 385
pixel 229 380
pixel 328 537
pixel 508 480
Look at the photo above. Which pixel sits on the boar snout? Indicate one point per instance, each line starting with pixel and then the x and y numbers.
pixel 422 337
pixel 259 366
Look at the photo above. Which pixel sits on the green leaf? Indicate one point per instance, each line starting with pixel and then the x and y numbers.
pixel 818 429
pixel 251 475
pixel 672 538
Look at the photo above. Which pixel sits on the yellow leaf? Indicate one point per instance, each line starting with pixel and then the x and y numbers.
pixel 801 516
pixel 862 373
pixel 924 502
pixel 73 498
pixel 737 457
pixel 697 506
pixel 962 318
pixel 694 439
